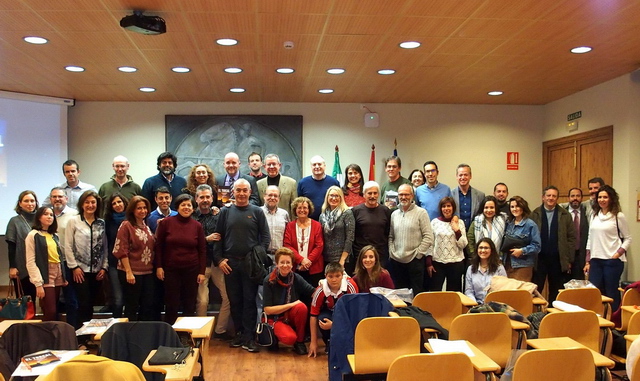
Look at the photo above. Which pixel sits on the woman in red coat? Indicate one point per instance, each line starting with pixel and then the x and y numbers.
pixel 304 237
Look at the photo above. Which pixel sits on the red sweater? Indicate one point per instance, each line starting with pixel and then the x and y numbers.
pixel 180 244
pixel 316 244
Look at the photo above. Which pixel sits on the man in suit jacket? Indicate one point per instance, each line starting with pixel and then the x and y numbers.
pixel 467 199
pixel 558 242
pixel 288 187
pixel 578 210
pixel 232 169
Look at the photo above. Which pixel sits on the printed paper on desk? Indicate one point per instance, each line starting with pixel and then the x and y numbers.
pixel 23 371
pixel 449 346
pixel 192 322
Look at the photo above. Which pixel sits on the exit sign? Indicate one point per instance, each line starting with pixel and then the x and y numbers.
pixel 574 116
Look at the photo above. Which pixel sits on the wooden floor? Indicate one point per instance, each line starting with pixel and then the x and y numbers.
pixel 231 364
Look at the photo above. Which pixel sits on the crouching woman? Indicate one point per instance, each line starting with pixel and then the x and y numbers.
pixel 282 292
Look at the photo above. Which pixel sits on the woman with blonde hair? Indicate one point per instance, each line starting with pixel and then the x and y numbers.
pixel 338 227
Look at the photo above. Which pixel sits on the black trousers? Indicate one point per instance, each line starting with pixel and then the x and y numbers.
pixel 408 275
pixel 549 267
pixel 451 272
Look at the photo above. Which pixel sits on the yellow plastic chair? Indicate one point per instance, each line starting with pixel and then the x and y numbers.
pixel 489 332
pixel 444 306
pixel 630 299
pixel 588 298
pixel 380 340
pixel 582 326
pixel 429 366
pixel 521 300
pixel 575 364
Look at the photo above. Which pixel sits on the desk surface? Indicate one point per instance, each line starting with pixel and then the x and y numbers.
pixel 8 323
pixel 203 332
pixel 173 373
pixel 604 323
pixel 481 362
pixel 566 342
pixel 466 301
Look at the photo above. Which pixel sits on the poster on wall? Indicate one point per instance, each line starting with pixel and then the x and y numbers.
pixel 196 139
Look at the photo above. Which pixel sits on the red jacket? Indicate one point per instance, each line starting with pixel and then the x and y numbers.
pixel 316 244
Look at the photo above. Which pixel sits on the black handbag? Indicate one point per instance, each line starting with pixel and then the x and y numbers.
pixel 265 336
pixel 169 355
pixel 510 242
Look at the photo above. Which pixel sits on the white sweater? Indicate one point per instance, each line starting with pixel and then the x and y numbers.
pixel 604 240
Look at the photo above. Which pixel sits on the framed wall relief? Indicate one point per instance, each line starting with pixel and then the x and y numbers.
pixel 206 139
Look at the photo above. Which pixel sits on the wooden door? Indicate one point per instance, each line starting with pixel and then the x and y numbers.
pixel 571 161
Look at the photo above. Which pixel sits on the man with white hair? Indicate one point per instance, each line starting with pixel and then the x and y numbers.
pixel 315 187
pixel 120 182
pixel 277 218
pixel 373 221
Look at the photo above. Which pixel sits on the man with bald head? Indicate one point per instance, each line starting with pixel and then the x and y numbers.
pixel 315 186
pixel 232 169
pixel 120 182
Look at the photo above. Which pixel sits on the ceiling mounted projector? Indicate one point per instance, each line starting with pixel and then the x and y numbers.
pixel 139 23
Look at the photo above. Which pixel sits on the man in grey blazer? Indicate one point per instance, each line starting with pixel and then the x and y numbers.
pixel 578 210
pixel 288 187
pixel 467 199
pixel 232 169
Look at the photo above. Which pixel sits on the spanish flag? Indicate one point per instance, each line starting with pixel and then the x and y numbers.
pixel 372 164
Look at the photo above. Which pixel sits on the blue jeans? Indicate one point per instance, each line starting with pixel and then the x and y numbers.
pixel 116 290
pixel 605 274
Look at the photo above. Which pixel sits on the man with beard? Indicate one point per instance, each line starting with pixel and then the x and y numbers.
pixel 166 177
pixel 501 193
pixel 63 213
pixel 410 236
pixel 579 216
pixel 373 221
pixel 208 220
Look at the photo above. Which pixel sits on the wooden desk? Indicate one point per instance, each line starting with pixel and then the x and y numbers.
pixel 202 334
pixel 184 372
pixel 520 328
pixel 481 362
pixel 466 301
pixel 600 361
pixel 627 312
pixel 539 303
pixel 397 303
pixel 605 327
pixel 8 323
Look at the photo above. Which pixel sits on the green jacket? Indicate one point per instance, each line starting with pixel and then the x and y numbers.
pixel 566 234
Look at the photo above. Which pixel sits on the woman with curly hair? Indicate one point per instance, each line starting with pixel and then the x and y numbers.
pixel 134 250
pixel 198 175
pixel 369 272
pixel 304 237
pixel 609 240
pixel 520 258
pixel 484 266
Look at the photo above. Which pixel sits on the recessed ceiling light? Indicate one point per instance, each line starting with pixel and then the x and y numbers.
pixel 335 71
pixel 226 41
pixel 410 44
pixel 233 70
pixel 495 93
pixel 325 91
pixel 386 71
pixel 180 69
pixel 127 69
pixel 237 90
pixel 35 40
pixel 147 89
pixel 75 69
pixel 285 70
pixel 581 49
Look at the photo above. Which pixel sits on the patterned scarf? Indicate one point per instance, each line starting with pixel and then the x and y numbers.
pixel 285 282
pixel 330 218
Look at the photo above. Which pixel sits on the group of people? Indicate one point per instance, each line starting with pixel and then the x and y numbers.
pixel 161 245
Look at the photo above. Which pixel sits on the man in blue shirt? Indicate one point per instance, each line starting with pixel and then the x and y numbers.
pixel 167 163
pixel 467 199
pixel 429 194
